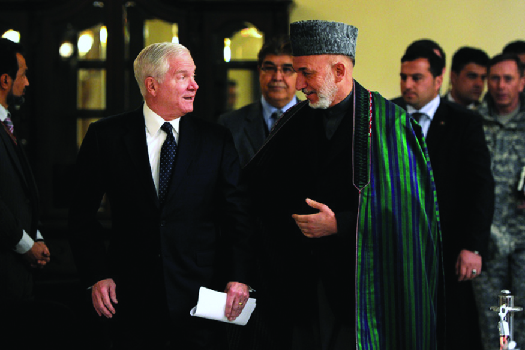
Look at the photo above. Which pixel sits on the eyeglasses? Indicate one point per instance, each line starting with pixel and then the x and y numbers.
pixel 286 69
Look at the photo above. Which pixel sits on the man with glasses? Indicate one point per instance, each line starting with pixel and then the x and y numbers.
pixel 251 124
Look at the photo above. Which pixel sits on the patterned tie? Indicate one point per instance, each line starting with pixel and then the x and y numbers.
pixel 274 118
pixel 167 156
pixel 8 126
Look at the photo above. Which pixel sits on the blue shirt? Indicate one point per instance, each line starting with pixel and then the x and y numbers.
pixel 268 110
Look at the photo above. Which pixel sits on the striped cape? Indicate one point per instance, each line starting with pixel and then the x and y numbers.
pixel 398 234
pixel 398 239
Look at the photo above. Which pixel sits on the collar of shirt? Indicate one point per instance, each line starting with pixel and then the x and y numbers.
pixel 429 110
pixel 268 109
pixel 154 122
pixel 3 113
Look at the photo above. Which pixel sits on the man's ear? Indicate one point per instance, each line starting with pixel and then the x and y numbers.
pixel 339 71
pixel 4 81
pixel 521 85
pixel 453 77
pixel 438 81
pixel 151 86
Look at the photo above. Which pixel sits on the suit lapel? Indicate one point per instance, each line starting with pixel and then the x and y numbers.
pixel 187 150
pixel 437 129
pixel 13 154
pixel 135 141
pixel 253 129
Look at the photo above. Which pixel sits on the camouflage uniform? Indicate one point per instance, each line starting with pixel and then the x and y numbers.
pixel 504 266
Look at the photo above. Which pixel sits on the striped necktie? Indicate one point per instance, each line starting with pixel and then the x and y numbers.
pixel 274 118
pixel 10 128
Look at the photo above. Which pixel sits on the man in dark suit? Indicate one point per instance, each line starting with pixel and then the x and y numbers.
pixel 20 241
pixel 22 249
pixel 464 187
pixel 171 233
pixel 251 124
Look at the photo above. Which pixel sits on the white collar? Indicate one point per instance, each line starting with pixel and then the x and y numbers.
pixel 429 109
pixel 4 113
pixel 155 121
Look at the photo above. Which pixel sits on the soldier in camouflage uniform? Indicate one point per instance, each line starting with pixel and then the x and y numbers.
pixel 504 123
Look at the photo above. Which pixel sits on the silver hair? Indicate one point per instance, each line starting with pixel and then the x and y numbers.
pixel 153 61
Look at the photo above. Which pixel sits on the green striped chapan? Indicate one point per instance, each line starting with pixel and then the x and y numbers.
pixel 398 234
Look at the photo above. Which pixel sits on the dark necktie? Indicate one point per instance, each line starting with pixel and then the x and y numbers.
pixel 418 116
pixel 9 127
pixel 167 157
pixel 274 118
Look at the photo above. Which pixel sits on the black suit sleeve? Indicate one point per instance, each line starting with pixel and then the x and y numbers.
pixel 237 222
pixel 86 232
pixel 479 188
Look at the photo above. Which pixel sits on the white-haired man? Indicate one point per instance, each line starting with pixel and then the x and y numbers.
pixel 179 214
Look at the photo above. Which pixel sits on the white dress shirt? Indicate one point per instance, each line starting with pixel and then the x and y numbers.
pixel 428 112
pixel 155 137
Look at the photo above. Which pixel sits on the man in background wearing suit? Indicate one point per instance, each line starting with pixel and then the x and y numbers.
pixel 171 232
pixel 251 124
pixel 464 187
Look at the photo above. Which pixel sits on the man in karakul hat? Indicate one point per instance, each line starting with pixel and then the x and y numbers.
pixel 350 239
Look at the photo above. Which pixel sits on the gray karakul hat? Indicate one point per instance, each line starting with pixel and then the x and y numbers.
pixel 317 37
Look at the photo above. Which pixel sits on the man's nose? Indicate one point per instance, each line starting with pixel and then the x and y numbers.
pixel 300 82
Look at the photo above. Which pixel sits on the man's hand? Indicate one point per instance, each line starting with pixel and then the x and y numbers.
pixel 103 295
pixel 317 225
pixel 38 256
pixel 467 263
pixel 237 295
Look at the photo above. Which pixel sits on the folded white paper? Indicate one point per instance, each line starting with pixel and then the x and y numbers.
pixel 211 305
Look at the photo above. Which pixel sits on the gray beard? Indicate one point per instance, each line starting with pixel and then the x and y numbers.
pixel 326 93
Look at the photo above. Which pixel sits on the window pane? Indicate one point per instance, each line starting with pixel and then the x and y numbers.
pixel 159 31
pixel 92 42
pixel 243 45
pixel 242 88
pixel 91 89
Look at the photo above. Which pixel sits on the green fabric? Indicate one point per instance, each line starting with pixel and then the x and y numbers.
pixel 398 239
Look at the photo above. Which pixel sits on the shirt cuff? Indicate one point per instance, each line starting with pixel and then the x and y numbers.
pixel 26 243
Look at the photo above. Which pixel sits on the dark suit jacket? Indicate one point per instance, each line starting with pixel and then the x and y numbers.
pixel 248 128
pixel 18 211
pixel 465 188
pixel 198 238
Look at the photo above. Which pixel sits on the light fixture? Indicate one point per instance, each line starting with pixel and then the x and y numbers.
pixel 103 35
pixel 85 42
pixel 12 35
pixel 66 49
pixel 227 50
pixel 251 32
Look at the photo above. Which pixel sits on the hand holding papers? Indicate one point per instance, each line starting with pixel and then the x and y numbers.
pixel 212 304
